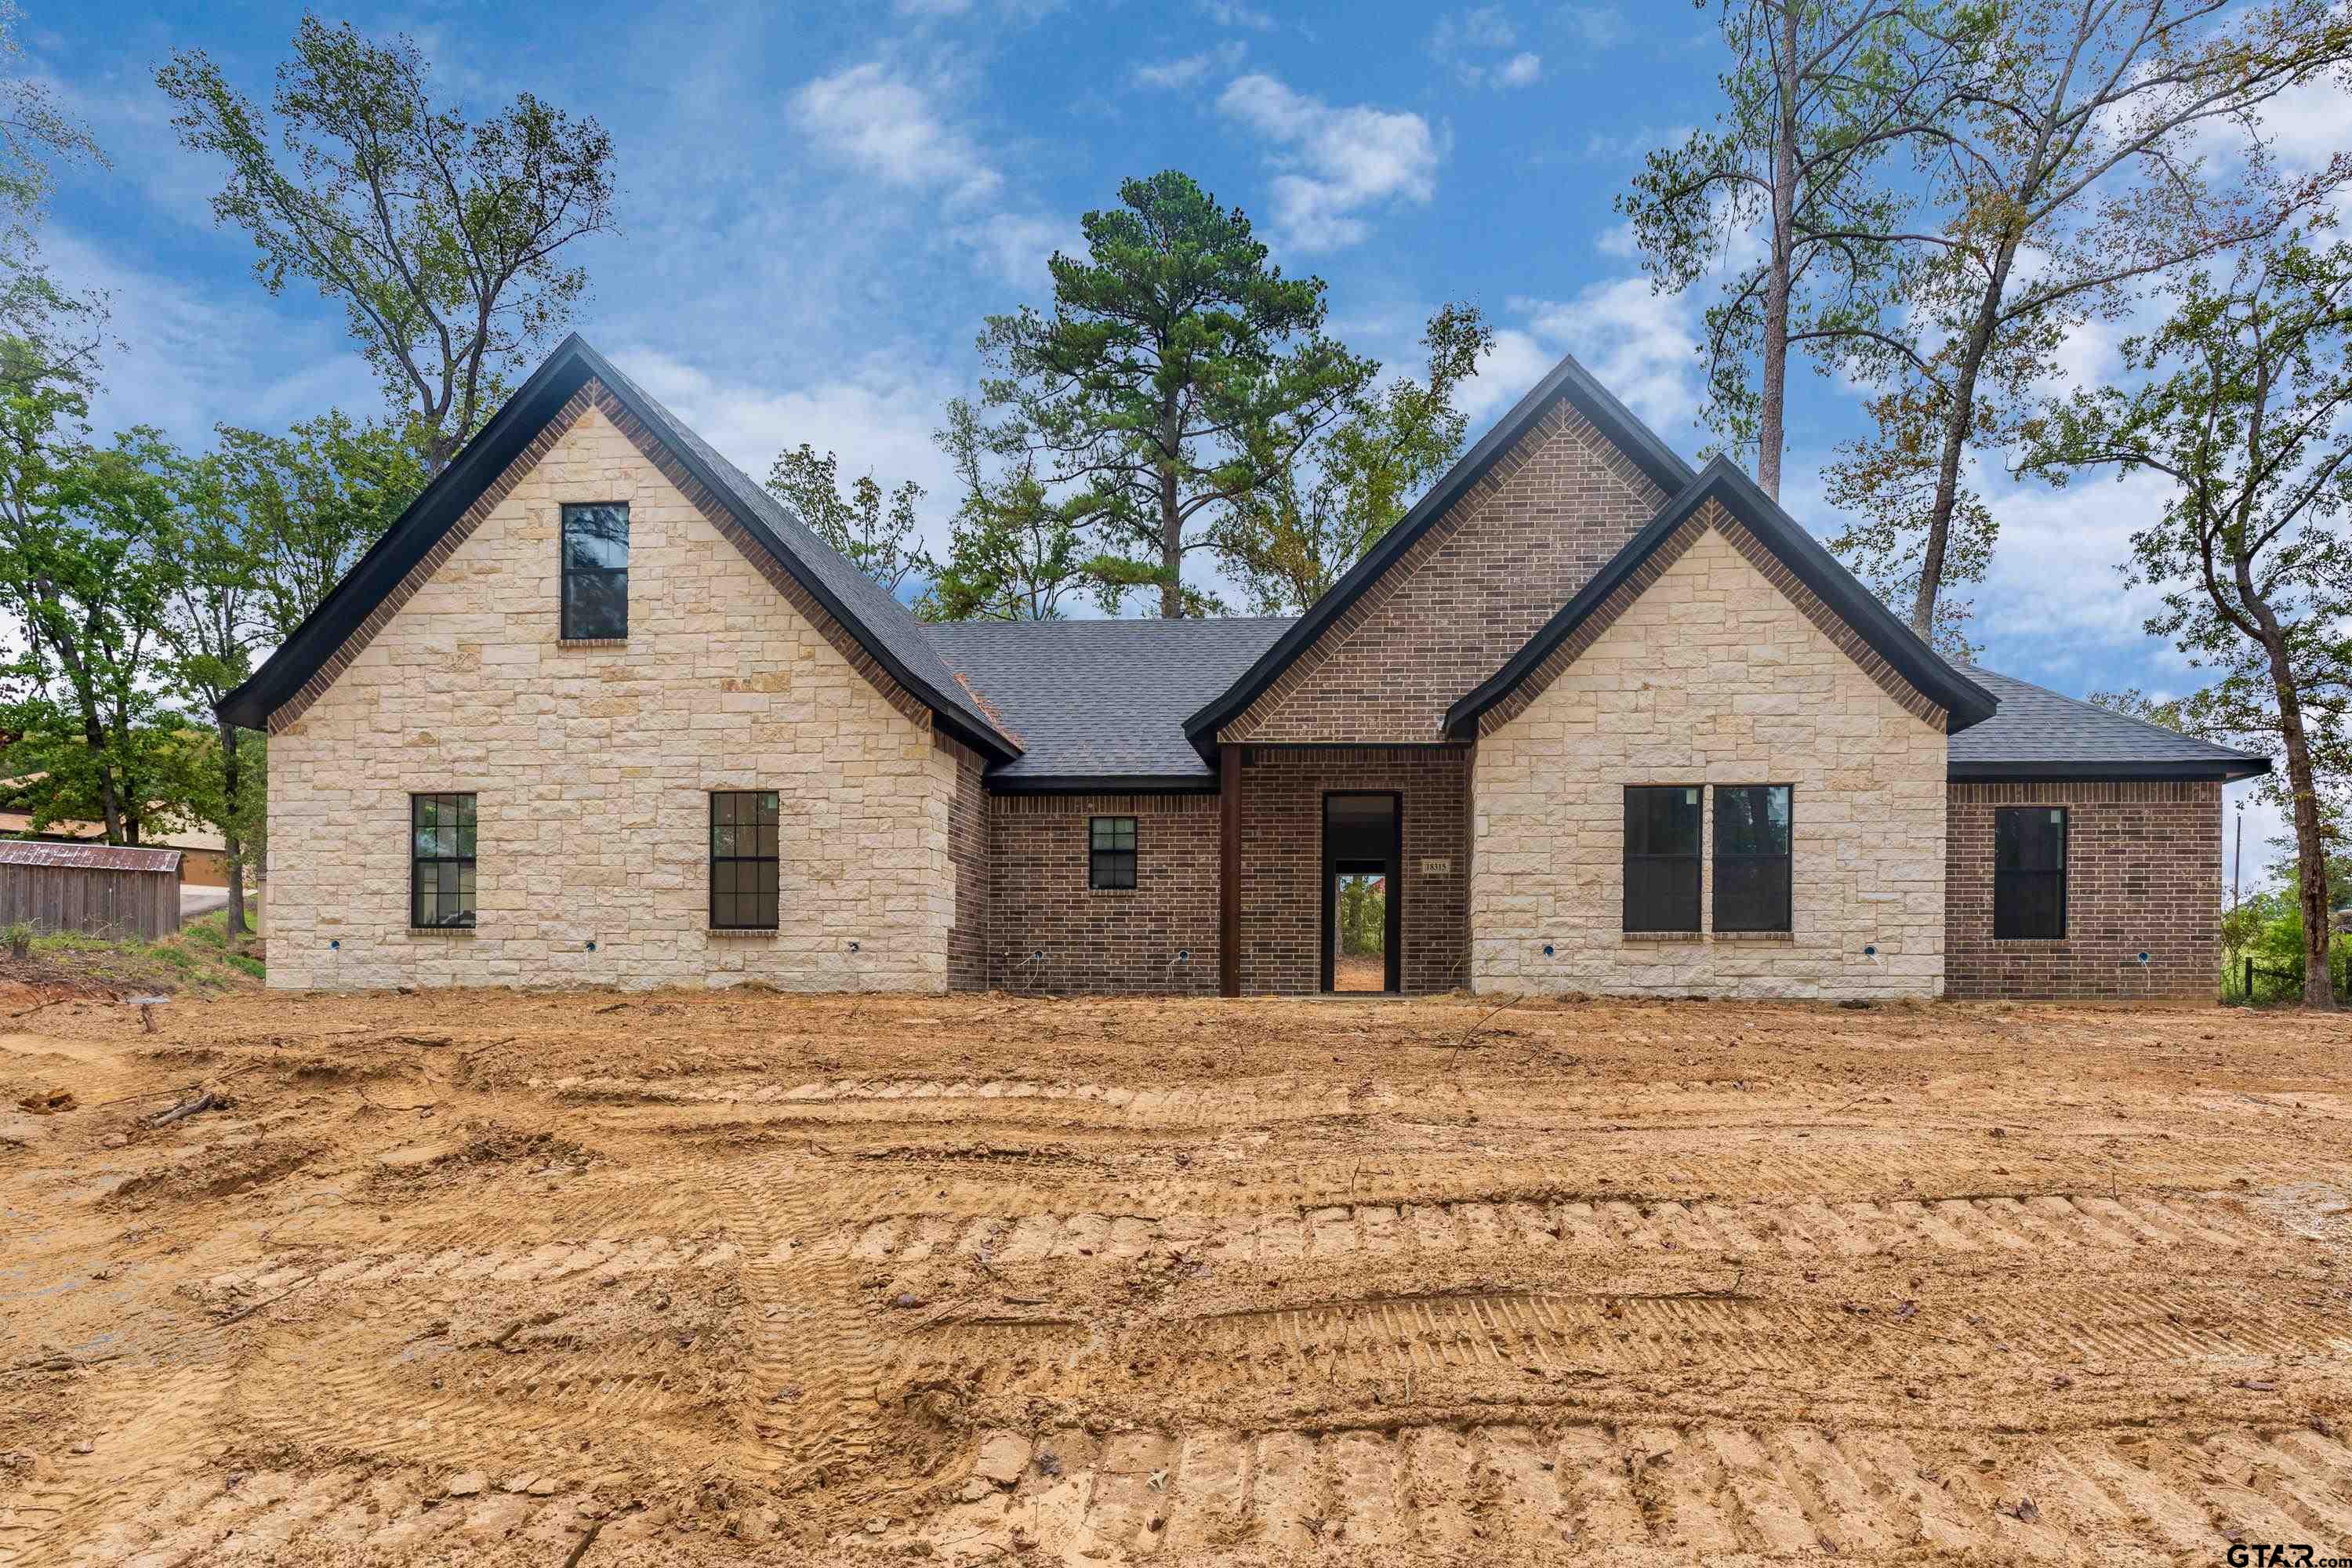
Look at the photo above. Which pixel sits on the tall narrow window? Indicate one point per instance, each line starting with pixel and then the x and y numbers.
pixel 441 861
pixel 1752 891
pixel 1662 830
pixel 596 572
pixel 1111 852
pixel 2028 873
pixel 743 860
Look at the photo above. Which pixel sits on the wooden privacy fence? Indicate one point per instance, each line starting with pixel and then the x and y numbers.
pixel 103 890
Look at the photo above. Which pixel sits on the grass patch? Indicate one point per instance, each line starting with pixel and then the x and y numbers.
pixel 197 959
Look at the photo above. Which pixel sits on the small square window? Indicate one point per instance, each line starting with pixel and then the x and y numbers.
pixel 596 572
pixel 1110 859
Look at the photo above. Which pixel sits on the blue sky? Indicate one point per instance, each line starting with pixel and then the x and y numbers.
pixel 818 204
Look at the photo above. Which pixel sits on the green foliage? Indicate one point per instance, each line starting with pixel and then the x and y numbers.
pixel 1363 916
pixel 443 239
pixel 308 504
pixel 1178 376
pixel 1291 541
pixel 2245 405
pixel 879 538
pixel 1012 551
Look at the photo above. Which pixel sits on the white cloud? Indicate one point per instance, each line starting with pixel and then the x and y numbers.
pixel 1467 43
pixel 869 116
pixel 1638 344
pixel 1189 68
pixel 877 415
pixel 1596 27
pixel 1629 147
pixel 1522 69
pixel 1014 247
pixel 1234 14
pixel 1339 162
pixel 1515 364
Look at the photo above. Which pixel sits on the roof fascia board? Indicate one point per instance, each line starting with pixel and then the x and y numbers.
pixel 2051 772
pixel 1567 379
pixel 1099 783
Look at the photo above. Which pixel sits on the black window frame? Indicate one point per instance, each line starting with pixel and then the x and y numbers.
pixel 765 823
pixel 1107 862
pixel 2009 881
pixel 1772 907
pixel 463 909
pixel 1646 871
pixel 572 631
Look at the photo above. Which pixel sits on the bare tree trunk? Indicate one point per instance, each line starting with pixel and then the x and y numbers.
pixel 1771 433
pixel 230 839
pixel 2310 850
pixel 1959 423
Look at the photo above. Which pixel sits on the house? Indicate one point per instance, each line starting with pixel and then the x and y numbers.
pixel 597 708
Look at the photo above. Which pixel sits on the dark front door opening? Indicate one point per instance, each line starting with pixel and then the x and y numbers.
pixel 1362 892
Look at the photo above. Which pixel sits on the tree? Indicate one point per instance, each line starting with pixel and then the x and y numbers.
pixel 2247 409
pixel 1178 375
pixel 2067 177
pixel 884 543
pixel 1819 93
pixel 1290 541
pixel 443 239
pixel 1012 552
pixel 35 136
pixel 310 502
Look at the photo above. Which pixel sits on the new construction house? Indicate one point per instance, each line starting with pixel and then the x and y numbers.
pixel 599 709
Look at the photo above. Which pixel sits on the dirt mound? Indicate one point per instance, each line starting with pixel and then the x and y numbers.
pixel 218 1170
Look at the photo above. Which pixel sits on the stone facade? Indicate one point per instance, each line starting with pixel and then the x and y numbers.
pixel 1467 595
pixel 1282 860
pixel 1712 675
pixel 592 764
pixel 1158 936
pixel 2143 875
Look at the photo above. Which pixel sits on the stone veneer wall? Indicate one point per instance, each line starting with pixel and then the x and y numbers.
pixel 1282 860
pixel 2143 875
pixel 1466 596
pixel 593 764
pixel 1712 675
pixel 1103 940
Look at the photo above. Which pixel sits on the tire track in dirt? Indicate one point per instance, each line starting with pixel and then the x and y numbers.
pixel 1652 1492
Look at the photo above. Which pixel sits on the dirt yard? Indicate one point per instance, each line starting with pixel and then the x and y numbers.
pixel 694 1280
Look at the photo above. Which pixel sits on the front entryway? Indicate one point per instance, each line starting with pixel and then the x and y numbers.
pixel 1362 843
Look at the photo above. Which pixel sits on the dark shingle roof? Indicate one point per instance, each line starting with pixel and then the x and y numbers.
pixel 1102 699
pixel 2037 733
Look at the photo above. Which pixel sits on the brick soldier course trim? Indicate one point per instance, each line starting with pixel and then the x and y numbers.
pixel 2143 875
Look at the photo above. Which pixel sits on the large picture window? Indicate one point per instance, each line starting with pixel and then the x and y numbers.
pixel 2028 873
pixel 1662 848
pixel 743 860
pixel 1752 883
pixel 596 572
pixel 1111 852
pixel 441 861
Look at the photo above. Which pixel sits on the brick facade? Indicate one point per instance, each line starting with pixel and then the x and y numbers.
pixel 2143 875
pixel 1713 676
pixel 1466 596
pixel 967 857
pixel 1282 860
pixel 592 764
pixel 1103 940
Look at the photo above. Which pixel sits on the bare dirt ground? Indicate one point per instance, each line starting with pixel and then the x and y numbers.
pixel 595 1280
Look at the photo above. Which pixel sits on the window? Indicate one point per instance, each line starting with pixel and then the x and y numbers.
pixel 1661 857
pixel 596 572
pixel 441 861
pixel 1751 857
pixel 743 860
pixel 2028 873
pixel 1111 859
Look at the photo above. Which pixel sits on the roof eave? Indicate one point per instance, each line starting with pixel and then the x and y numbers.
pixel 1103 784
pixel 2184 770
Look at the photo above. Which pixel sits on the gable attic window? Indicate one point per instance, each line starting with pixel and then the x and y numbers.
pixel 1752 882
pixel 2028 873
pixel 596 572
pixel 1662 834
pixel 1111 852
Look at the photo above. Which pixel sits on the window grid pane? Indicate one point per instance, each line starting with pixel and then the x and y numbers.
pixel 743 859
pixel 595 556
pixel 1111 855
pixel 441 861
pixel 1754 887
pixel 2029 878
pixel 1661 857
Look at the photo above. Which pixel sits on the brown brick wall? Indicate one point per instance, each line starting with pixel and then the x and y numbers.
pixel 1282 860
pixel 1466 596
pixel 967 846
pixel 1103 940
pixel 2143 874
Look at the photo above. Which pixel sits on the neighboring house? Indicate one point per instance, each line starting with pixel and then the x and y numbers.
pixel 599 709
